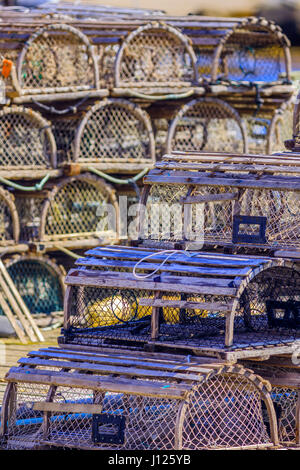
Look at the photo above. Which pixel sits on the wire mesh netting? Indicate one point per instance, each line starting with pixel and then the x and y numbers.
pixel 39 281
pixel 228 413
pixel 155 56
pixel 285 400
pixel 166 214
pixel 26 140
pixel 115 131
pixel 223 411
pixel 253 54
pixel 56 56
pixel 78 206
pixel 99 314
pixel 64 131
pixel 7 222
pixel 208 125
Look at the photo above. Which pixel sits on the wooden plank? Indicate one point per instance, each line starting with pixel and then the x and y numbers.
pixel 67 407
pixel 83 279
pixel 117 369
pixel 209 198
pixel 105 384
pixel 196 179
pixel 234 167
pixel 196 258
pixel 109 359
pixel 174 267
pixel 212 307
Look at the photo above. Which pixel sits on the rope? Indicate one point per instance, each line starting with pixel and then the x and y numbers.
pixel 171 253
pixel 112 179
pixel 171 96
pixel 53 110
pixel 37 187
pixel 67 252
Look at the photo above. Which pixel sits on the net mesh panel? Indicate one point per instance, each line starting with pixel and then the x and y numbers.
pixel 99 314
pixel 155 57
pixel 284 400
pixel 252 54
pixel 208 127
pixel 23 142
pixel 57 59
pixel 64 131
pixel 29 212
pixel 226 411
pixel 76 209
pixel 114 133
pixel 213 221
pixel 38 285
pixel 6 222
pixel 262 140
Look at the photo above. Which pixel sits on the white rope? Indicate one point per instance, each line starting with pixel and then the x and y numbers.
pixel 170 254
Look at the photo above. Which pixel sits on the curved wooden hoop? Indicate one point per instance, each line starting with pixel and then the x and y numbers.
pixel 148 27
pixel 58 27
pixel 42 123
pixel 9 200
pixel 88 178
pixel 232 113
pixel 273 29
pixel 136 110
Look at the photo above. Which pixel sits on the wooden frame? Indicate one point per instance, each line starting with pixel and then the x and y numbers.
pixel 8 199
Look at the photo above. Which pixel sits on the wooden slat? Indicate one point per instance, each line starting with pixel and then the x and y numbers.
pixel 197 258
pixel 212 307
pixel 174 267
pixel 129 386
pixel 67 407
pixel 103 369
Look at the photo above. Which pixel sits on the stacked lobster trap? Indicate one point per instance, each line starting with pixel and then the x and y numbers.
pixel 166 342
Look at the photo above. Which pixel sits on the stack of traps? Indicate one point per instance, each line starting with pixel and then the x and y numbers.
pixel 180 351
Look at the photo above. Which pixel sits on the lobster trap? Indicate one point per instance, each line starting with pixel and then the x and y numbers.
pixel 28 146
pixel 9 220
pixel 223 199
pixel 284 377
pixel 155 59
pixel 210 303
pixel 67 398
pixel 57 62
pixel 207 124
pixel 39 281
pixel 113 134
pixel 71 212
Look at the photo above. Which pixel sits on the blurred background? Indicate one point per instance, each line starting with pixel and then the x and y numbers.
pixel 286 13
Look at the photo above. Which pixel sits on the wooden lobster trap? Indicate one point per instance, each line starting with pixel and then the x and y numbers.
pixel 28 148
pixel 206 303
pixel 39 280
pixel 50 62
pixel 284 377
pixel 113 135
pixel 9 220
pixel 67 398
pixel 240 51
pixel 223 199
pixel 155 59
pixel 69 212
pixel 208 125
